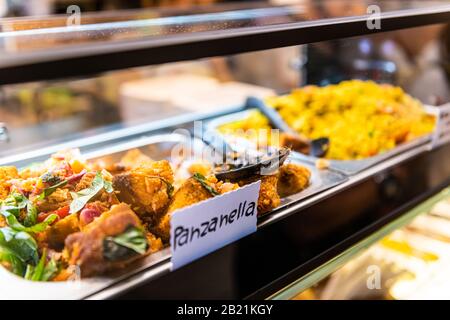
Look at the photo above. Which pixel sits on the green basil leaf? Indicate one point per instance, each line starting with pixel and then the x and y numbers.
pixel 39 227
pixel 48 191
pixel 134 239
pixel 29 272
pixel 39 270
pixel 21 244
pixel 169 186
pixel 12 222
pixel 14 203
pixel 50 271
pixel 11 208
pixel 114 252
pixel 81 198
pixel 108 186
pixel 21 200
pixel 7 210
pixel 200 178
pixel 31 217
pixel 17 265
pixel 97 184
pixel 42 271
pixel 125 245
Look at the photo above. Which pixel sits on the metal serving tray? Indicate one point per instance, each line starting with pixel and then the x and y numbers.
pixel 157 147
pixel 14 287
pixel 347 167
pixel 320 180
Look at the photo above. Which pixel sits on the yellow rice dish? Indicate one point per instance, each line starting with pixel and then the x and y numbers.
pixel 361 118
pixel 255 127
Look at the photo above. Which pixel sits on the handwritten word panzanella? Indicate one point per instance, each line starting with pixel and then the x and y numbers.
pixel 186 234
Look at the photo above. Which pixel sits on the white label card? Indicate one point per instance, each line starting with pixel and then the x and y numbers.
pixel 209 225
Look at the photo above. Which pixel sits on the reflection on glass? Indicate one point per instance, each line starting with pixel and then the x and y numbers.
pixel 30 34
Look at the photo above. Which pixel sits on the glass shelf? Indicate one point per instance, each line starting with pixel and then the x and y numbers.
pixel 48 48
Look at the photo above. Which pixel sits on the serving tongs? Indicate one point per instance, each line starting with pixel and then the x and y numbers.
pixel 236 166
pixel 316 147
pixel 262 165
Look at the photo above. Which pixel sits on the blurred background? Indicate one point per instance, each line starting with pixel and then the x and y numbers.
pixel 37 114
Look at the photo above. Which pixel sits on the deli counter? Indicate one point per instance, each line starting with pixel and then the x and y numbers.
pixel 350 100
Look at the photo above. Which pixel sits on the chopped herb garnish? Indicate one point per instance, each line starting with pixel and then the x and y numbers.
pixel 50 270
pixel 42 271
pixel 50 178
pixel 20 244
pixel 125 245
pixel 31 217
pixel 14 223
pixel 108 186
pixel 14 203
pixel 48 191
pixel 17 265
pixel 201 178
pixel 10 209
pixel 82 197
pixel 169 186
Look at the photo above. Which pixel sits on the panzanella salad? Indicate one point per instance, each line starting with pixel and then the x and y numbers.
pixel 66 217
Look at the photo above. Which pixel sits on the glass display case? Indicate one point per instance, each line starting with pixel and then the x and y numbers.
pixel 405 260
pixel 115 82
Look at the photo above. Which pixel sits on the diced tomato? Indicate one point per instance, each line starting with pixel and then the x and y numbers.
pixel 42 216
pixel 61 213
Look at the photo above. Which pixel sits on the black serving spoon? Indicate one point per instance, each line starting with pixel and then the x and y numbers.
pixel 263 165
pixel 317 147
pixel 237 166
